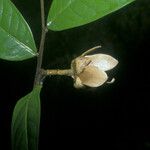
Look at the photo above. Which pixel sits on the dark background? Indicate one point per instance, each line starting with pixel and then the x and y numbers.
pixel 113 116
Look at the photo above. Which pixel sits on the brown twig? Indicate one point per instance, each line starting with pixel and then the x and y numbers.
pixel 41 48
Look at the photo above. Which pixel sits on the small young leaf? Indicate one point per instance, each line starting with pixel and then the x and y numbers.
pixel 16 39
pixel 25 121
pixel 65 14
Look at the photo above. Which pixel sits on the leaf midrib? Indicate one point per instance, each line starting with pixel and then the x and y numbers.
pixel 18 41
pixel 70 3
pixel 26 122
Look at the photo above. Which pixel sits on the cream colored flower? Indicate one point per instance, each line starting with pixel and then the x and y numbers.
pixel 89 70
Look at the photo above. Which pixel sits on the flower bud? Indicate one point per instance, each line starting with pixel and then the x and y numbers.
pixel 90 70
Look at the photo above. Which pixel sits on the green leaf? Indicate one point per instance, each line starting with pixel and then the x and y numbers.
pixel 65 14
pixel 16 39
pixel 25 121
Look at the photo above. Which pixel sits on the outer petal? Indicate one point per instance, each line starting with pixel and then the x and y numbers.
pixel 93 76
pixel 102 61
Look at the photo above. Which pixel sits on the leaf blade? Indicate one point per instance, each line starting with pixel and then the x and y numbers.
pixel 16 40
pixel 25 121
pixel 65 14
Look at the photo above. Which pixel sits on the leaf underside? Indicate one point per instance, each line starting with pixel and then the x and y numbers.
pixel 16 39
pixel 65 14
pixel 25 121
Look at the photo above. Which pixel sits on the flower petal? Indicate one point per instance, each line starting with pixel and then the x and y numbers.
pixel 93 76
pixel 102 61
pixel 79 64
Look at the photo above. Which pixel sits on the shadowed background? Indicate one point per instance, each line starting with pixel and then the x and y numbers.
pixel 115 115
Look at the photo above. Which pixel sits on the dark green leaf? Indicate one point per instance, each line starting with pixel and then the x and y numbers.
pixel 65 14
pixel 16 39
pixel 25 121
